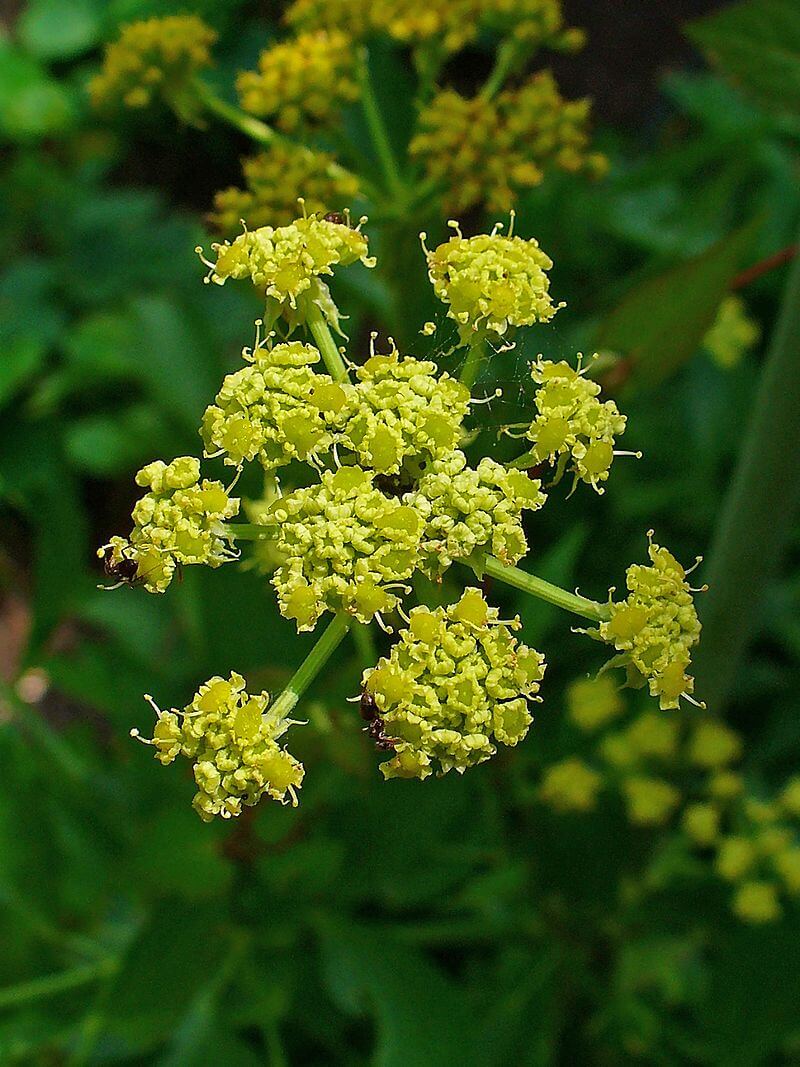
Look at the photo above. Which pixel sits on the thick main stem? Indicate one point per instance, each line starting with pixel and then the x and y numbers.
pixel 321 332
pixel 538 587
pixel 311 666
pixel 759 511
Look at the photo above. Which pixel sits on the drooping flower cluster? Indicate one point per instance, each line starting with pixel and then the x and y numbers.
pixel 345 546
pixel 232 739
pixel 486 151
pixel 491 283
pixel 732 334
pixel 466 509
pixel 302 81
pixel 155 57
pixel 288 263
pixel 275 410
pixel 655 627
pixel 572 427
pixel 455 685
pixel 180 520
pixel 275 180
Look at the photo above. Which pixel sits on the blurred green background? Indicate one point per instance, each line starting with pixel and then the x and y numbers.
pixel 454 921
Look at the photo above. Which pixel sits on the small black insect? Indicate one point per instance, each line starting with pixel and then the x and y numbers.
pixel 337 217
pixel 121 570
pixel 375 727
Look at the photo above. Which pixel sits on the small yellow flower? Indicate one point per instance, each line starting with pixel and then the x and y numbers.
pixel 790 797
pixel 732 334
pixel 232 740
pixel 735 858
pixel 787 865
pixel 701 823
pixel 653 736
pixel 275 180
pixel 154 58
pixel 725 785
pixel 650 801
pixel 757 903
pixel 570 786
pixel 491 283
pixel 713 745
pixel 302 81
pixel 594 702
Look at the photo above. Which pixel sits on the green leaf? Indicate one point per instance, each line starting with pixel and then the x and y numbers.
pixel 757 43
pixel 31 104
pixel 59 29
pixel 424 1020
pixel 660 324
pixel 19 364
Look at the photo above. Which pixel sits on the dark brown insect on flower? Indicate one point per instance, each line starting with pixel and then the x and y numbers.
pixel 337 217
pixel 375 727
pixel 122 570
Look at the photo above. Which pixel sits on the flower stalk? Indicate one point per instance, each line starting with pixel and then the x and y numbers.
pixel 311 666
pixel 538 587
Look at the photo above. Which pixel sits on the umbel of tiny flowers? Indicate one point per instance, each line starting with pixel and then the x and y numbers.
pixel 389 492
pixel 180 520
pixel 155 58
pixel 288 263
pixel 655 628
pixel 491 282
pixel 455 685
pixel 232 740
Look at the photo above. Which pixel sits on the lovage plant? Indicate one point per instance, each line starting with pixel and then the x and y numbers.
pixel 390 491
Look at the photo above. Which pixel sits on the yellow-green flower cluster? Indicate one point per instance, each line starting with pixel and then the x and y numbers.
pixel 275 180
pixel 487 151
pixel 276 410
pixel 760 853
pixel 403 413
pixel 491 283
pixel 155 57
pixel 655 627
pixel 232 739
pixel 455 684
pixel 180 520
pixel 344 547
pixel 444 24
pixel 302 81
pixel 467 509
pixel 732 334
pixel 287 264
pixel 572 427
pixel 594 702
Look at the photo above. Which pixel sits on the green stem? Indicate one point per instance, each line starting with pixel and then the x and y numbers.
pixel 52 984
pixel 509 56
pixel 472 364
pixel 758 514
pixel 250 531
pixel 364 642
pixel 377 129
pixel 254 128
pixel 311 666
pixel 538 587
pixel 321 333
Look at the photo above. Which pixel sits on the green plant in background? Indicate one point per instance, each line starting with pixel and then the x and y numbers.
pixel 619 889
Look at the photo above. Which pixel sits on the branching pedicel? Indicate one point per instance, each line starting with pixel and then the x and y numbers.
pixel 392 492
